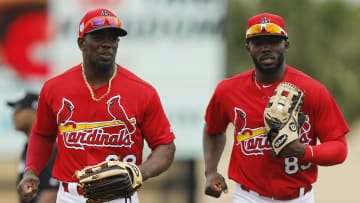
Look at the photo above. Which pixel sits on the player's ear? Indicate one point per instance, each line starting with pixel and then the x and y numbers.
pixel 287 44
pixel 247 46
pixel 81 43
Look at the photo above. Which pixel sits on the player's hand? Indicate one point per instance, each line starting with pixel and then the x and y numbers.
pixel 215 185
pixel 294 149
pixel 28 186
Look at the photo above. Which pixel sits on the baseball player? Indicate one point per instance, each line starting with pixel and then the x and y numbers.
pixel 24 119
pixel 98 111
pixel 260 176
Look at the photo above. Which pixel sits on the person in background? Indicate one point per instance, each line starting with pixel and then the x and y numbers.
pixel 24 119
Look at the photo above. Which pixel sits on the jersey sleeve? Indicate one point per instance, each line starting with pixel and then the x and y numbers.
pixel 215 117
pixel 155 126
pixel 329 121
pixel 43 134
pixel 330 127
pixel 39 152
pixel 45 123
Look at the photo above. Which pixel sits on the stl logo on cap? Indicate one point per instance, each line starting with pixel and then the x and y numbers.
pixel 104 13
pixel 265 20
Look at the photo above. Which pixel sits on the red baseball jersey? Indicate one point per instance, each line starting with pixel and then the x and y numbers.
pixel 90 132
pixel 242 101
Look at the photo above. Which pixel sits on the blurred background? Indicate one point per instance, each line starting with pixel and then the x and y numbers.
pixel 184 48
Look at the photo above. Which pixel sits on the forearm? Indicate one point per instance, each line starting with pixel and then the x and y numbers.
pixel 327 153
pixel 39 152
pixel 159 161
pixel 213 148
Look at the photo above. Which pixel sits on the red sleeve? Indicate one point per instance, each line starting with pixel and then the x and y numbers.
pixel 40 150
pixel 328 153
pixel 45 123
pixel 43 135
pixel 329 121
pixel 155 125
pixel 215 116
pixel 330 127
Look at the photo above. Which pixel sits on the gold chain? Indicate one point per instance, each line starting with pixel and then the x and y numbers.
pixel 257 84
pixel 256 81
pixel 91 90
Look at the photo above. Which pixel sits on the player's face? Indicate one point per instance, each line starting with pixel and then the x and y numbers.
pixel 24 119
pixel 99 48
pixel 267 52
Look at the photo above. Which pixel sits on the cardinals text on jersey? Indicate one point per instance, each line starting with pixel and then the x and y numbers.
pixel 78 134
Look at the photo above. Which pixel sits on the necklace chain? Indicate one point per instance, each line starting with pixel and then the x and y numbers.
pixel 257 85
pixel 91 90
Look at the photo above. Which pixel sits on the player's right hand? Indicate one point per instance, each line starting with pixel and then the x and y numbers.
pixel 28 186
pixel 215 185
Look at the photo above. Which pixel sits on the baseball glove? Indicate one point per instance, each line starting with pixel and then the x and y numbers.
pixel 109 180
pixel 282 116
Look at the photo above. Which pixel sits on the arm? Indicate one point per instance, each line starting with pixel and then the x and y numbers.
pixel 330 128
pixel 325 154
pixel 213 148
pixel 158 161
pixel 39 153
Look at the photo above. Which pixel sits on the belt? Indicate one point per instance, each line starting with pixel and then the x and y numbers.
pixel 66 188
pixel 295 195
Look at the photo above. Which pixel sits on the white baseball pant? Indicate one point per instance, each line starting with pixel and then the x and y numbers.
pixel 242 196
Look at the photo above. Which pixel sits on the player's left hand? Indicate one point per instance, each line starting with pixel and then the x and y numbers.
pixel 294 149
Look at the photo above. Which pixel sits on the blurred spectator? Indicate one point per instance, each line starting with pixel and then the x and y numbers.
pixel 24 119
